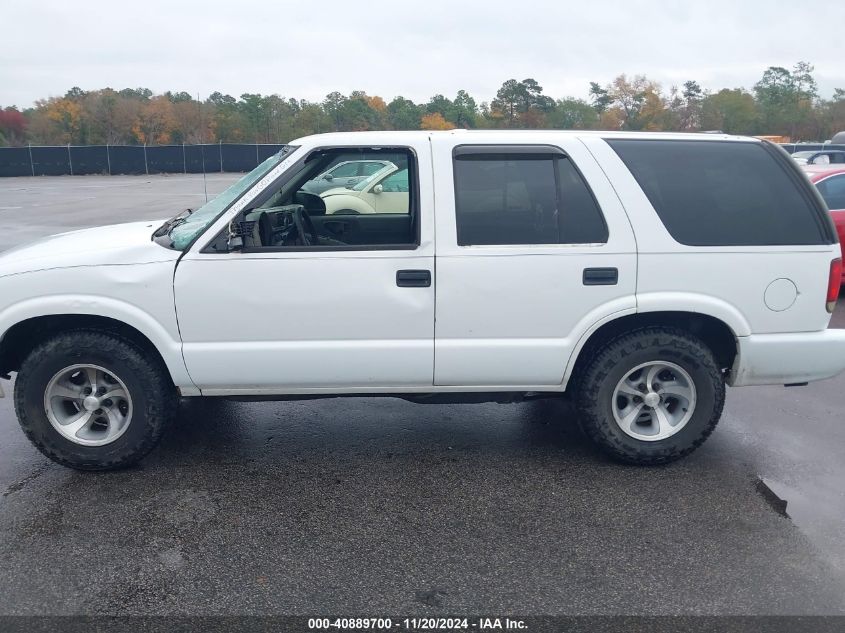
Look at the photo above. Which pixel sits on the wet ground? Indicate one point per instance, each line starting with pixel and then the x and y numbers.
pixel 375 506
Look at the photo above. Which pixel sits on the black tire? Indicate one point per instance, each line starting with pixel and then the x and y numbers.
pixel 153 396
pixel 595 385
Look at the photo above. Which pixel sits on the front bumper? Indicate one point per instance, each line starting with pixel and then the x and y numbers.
pixel 783 359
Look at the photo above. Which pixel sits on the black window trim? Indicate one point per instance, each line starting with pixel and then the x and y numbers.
pixel 523 152
pixel 495 151
pixel 283 179
pixel 811 195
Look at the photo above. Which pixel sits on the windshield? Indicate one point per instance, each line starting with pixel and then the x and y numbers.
pixel 184 231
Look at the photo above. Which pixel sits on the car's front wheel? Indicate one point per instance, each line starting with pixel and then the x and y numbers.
pixel 651 396
pixel 93 400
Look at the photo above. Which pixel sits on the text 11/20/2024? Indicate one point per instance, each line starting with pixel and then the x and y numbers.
pixel 417 624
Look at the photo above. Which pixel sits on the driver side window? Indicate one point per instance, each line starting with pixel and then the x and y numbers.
pixel 376 210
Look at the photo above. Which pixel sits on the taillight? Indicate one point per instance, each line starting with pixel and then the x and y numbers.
pixel 833 283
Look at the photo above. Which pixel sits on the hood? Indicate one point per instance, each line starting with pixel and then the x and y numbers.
pixel 336 191
pixel 107 245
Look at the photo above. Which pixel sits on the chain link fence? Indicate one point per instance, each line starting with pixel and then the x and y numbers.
pixel 77 160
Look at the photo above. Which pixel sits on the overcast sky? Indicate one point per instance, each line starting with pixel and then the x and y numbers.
pixel 305 49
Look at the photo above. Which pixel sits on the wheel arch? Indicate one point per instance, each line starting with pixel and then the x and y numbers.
pixel 720 337
pixel 20 338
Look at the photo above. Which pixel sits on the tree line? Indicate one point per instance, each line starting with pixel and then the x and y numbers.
pixel 784 102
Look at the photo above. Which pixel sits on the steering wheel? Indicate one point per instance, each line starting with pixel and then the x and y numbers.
pixel 304 226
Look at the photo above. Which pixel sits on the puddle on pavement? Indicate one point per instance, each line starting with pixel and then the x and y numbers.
pixel 816 506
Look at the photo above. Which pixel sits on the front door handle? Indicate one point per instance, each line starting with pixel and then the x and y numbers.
pixel 413 278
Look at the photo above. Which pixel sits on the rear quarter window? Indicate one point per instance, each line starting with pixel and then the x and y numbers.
pixel 723 193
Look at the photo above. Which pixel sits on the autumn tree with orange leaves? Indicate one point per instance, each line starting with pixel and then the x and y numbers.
pixel 784 102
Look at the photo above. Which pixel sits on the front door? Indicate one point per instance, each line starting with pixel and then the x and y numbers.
pixel 335 315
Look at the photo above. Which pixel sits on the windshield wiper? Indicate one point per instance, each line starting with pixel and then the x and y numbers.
pixel 180 219
pixel 173 222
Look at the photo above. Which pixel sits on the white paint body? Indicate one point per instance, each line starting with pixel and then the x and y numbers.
pixel 495 318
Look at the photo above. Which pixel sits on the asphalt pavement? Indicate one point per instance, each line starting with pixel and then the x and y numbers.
pixel 374 506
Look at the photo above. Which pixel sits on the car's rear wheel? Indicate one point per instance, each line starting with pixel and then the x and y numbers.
pixel 650 396
pixel 93 400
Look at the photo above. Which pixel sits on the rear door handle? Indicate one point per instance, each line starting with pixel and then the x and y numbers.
pixel 413 278
pixel 601 276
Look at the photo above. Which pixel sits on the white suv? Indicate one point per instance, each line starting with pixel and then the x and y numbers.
pixel 638 273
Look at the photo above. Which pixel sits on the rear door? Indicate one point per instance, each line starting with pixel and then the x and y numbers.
pixel 529 256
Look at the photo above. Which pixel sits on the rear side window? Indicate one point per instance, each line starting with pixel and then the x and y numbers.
pixel 503 199
pixel 711 193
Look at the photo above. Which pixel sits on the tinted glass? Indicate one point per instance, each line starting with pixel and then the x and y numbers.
pixel 505 201
pixel 581 220
pixel 500 200
pixel 711 193
pixel 833 191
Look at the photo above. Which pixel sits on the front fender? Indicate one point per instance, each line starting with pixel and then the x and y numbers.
pixel 340 202
pixel 140 296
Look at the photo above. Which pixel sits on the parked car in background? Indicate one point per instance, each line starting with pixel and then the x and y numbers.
pixel 830 181
pixel 384 192
pixel 822 157
pixel 344 174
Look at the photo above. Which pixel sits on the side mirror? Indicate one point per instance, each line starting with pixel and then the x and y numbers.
pixel 378 189
pixel 235 243
pixel 328 177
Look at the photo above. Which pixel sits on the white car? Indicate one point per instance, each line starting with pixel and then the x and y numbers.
pixel 640 274
pixel 386 191
pixel 344 174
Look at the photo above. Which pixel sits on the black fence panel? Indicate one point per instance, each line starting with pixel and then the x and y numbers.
pixel 132 159
pixel 89 159
pixel 127 159
pixel 51 161
pixel 202 158
pixel 239 157
pixel 165 159
pixel 14 161
pixel 266 151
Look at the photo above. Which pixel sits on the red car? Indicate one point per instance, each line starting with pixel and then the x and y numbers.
pixel 830 181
